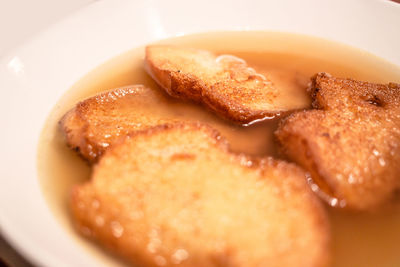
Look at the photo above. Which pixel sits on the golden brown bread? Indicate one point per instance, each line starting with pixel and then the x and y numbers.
pixel 174 194
pixel 225 84
pixel 350 143
pixel 97 122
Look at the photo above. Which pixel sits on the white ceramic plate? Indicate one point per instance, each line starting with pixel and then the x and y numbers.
pixel 33 77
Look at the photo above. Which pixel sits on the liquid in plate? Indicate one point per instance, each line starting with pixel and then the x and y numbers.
pixel 289 60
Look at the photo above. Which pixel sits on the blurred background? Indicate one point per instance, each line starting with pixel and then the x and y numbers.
pixel 23 19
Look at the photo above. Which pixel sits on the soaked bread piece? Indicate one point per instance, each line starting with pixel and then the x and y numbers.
pixel 174 194
pixel 350 142
pixel 225 84
pixel 97 122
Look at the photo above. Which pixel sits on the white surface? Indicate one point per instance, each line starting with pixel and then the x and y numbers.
pixel 34 76
pixel 22 19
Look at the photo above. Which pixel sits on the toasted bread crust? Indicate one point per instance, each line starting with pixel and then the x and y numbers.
pixel 175 194
pixel 225 84
pixel 351 142
pixel 97 122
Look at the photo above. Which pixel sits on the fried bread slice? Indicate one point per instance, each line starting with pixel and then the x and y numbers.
pixel 174 194
pixel 97 122
pixel 225 83
pixel 350 142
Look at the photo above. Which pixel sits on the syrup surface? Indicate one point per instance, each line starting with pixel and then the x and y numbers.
pixel 289 60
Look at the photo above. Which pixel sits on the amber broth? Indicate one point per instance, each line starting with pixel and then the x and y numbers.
pixel 359 239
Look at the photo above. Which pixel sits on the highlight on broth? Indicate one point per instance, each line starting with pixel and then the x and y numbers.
pixel 289 61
